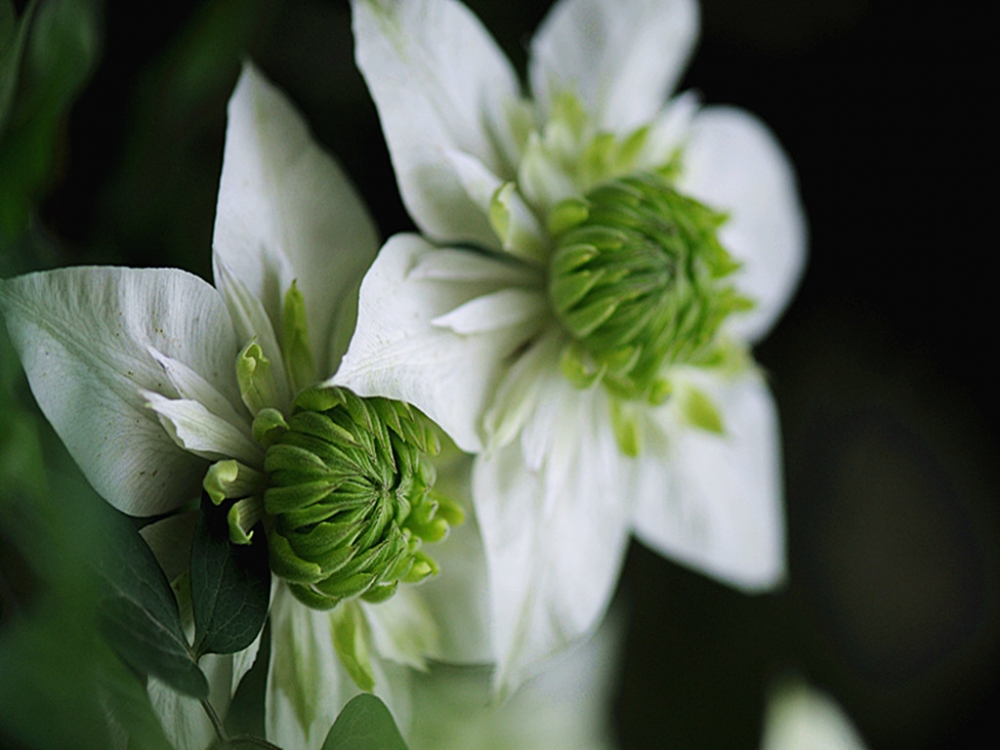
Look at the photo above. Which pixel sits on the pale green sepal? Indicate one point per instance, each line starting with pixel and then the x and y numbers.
pixel 700 411
pixel 628 431
pixel 540 177
pixel 516 224
pixel 352 641
pixel 242 517
pixel 295 341
pixel 230 479
pixel 268 426
pixel 255 375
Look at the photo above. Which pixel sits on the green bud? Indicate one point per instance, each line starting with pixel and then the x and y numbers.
pixel 638 281
pixel 349 501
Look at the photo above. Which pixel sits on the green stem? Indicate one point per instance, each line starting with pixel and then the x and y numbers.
pixel 220 731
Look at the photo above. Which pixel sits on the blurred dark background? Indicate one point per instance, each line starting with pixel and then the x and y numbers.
pixel 880 366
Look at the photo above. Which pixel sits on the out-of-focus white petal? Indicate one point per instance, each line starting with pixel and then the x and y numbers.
pixel 554 536
pixel 286 212
pixel 194 428
pixel 566 707
pixel 398 352
pixel 800 717
pixel 403 628
pixel 622 58
pixel 711 501
pixel 306 684
pixel 441 84
pixel 84 336
pixel 735 164
pixel 458 595
pixel 184 720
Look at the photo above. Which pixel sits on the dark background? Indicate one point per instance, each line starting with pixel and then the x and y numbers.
pixel 881 366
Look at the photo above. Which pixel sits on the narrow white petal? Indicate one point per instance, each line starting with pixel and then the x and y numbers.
pixel 287 212
pixel 622 58
pixel 403 628
pixel 194 428
pixel 84 336
pixel 398 352
pixel 441 84
pixel 714 502
pixel 243 661
pixel 184 720
pixel 668 132
pixel 460 265
pixel 555 537
pixel 799 716
pixel 735 164
pixel 252 322
pixel 491 312
pixel 190 385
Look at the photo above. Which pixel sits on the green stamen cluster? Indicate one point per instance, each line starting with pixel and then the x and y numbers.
pixel 350 500
pixel 637 279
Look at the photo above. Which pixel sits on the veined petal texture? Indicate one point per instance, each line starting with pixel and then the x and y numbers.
pixel 85 337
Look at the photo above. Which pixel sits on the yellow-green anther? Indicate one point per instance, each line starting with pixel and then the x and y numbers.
pixel 295 346
pixel 349 499
pixel 242 517
pixel 639 283
pixel 625 420
pixel 229 479
pixel 352 641
pixel 268 426
pixel 256 379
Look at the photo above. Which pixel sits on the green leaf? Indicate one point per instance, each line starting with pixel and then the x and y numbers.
pixel 230 588
pixel 47 71
pixel 13 32
pixel 364 724
pixel 128 703
pixel 139 616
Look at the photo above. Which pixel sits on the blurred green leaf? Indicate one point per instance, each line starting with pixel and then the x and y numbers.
pixel 56 57
pixel 364 724
pixel 128 702
pixel 13 32
pixel 139 614
pixel 230 589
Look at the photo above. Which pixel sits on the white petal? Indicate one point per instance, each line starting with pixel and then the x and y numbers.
pixel 184 720
pixel 735 164
pixel 458 595
pixel 398 352
pixel 491 312
pixel 554 538
pixel 403 628
pixel 622 58
pixel 441 84
pixel 243 661
pixel 714 502
pixel 194 428
pixel 306 684
pixel 799 717
pixel 287 212
pixel 84 336
pixel 190 385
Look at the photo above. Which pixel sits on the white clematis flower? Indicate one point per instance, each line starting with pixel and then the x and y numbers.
pixel 159 384
pixel 595 262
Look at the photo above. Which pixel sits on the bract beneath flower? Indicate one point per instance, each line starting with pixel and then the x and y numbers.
pixel 597 260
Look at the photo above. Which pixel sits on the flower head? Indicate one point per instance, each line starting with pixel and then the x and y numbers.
pixel 162 386
pixel 596 261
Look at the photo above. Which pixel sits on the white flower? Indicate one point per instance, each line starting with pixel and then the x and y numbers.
pixel 148 376
pixel 486 322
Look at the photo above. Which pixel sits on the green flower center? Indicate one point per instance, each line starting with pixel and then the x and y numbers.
pixel 349 500
pixel 638 279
